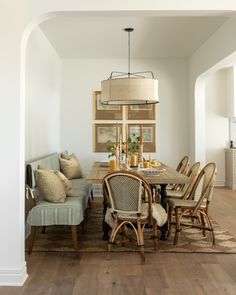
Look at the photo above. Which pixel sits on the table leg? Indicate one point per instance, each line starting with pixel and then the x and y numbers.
pixel 164 228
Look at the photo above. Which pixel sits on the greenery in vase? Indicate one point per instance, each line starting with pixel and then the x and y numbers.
pixel 111 147
pixel 133 146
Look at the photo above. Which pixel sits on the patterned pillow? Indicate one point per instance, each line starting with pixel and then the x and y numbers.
pixel 70 166
pixel 49 186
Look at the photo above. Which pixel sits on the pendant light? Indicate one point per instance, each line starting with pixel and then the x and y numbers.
pixel 130 88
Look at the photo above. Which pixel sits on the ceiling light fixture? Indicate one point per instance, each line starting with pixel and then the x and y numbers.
pixel 130 88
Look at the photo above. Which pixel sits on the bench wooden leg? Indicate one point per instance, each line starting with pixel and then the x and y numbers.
pixel 74 238
pixel 31 239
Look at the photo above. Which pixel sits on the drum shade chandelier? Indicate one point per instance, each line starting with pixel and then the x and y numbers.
pixel 130 88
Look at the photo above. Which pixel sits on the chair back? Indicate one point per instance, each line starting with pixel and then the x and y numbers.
pixel 124 191
pixel 183 166
pixel 206 179
pixel 192 174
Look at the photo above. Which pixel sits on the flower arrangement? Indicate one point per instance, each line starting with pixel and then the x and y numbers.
pixel 133 146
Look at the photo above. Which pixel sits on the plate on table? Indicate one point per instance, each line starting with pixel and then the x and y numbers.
pixel 155 164
pixel 104 164
pixel 152 171
pixel 133 167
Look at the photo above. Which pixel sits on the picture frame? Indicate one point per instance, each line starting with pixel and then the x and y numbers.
pixel 106 112
pixel 149 135
pixel 105 132
pixel 141 112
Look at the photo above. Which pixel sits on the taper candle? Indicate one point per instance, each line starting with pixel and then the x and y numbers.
pixel 127 139
pixel 141 134
pixel 116 133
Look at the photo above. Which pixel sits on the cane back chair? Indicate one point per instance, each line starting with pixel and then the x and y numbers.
pixel 125 192
pixel 183 167
pixel 187 188
pixel 192 210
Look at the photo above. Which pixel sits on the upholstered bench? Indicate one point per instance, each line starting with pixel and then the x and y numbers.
pixel 44 213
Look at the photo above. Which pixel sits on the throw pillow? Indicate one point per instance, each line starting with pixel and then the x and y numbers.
pixel 68 157
pixel 49 186
pixel 70 168
pixel 67 184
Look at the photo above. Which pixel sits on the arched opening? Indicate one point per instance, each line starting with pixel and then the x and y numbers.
pixel 200 111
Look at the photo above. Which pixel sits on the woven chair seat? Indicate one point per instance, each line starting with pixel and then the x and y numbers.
pixel 175 194
pixel 184 203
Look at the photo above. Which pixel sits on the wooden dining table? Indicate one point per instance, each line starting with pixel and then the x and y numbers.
pixel 166 176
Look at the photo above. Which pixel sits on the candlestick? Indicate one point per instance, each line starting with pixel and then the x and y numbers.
pixel 127 139
pixel 141 134
pixel 116 133
pixel 150 159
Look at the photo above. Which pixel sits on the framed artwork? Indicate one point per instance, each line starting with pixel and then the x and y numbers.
pixel 141 112
pixel 105 132
pixel 105 112
pixel 149 135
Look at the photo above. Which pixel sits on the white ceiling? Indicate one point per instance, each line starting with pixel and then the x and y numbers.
pixel 153 37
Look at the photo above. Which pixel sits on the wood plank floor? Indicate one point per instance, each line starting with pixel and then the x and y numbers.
pixel 163 273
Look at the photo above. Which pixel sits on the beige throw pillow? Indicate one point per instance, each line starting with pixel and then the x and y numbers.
pixel 70 191
pixel 70 166
pixel 73 155
pixel 49 186
pixel 67 184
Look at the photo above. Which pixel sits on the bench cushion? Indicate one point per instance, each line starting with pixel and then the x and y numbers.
pixel 47 213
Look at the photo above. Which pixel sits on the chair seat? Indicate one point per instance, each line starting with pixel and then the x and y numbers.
pixel 158 213
pixel 175 194
pixel 183 203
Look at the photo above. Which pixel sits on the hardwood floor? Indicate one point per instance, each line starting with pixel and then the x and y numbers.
pixel 163 273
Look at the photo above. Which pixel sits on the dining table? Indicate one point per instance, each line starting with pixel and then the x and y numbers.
pixel 165 176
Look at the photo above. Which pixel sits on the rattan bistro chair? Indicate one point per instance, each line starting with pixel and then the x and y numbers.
pixel 183 168
pixel 187 188
pixel 183 165
pixel 194 212
pixel 130 199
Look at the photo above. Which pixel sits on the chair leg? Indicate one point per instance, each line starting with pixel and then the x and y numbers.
pixel 203 225
pixel 92 194
pixel 112 237
pixel 170 215
pixel 211 229
pixel 177 227
pixel 43 229
pixel 74 238
pixel 155 235
pixel 140 241
pixel 31 239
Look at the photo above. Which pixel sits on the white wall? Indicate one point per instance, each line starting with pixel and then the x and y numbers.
pixel 81 77
pixel 43 69
pixel 217 124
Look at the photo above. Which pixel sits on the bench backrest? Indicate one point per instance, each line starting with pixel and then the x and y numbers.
pixel 49 161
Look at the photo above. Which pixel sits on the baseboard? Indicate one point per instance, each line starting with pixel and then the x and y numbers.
pixel 13 277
